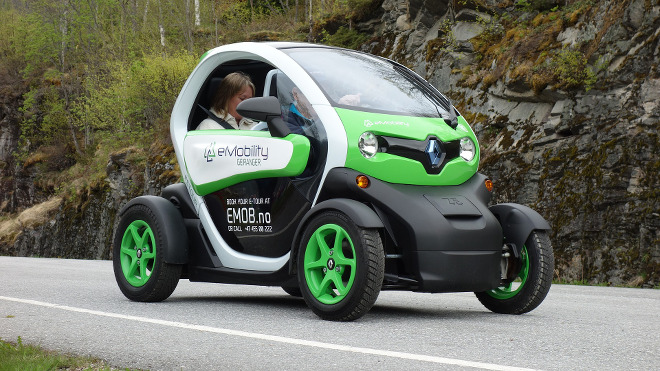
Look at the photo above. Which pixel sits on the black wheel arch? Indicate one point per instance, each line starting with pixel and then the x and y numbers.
pixel 177 194
pixel 361 214
pixel 167 215
pixel 518 222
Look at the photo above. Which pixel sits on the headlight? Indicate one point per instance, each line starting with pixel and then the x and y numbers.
pixel 468 149
pixel 368 144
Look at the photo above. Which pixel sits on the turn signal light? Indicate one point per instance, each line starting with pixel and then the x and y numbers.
pixel 362 181
pixel 489 185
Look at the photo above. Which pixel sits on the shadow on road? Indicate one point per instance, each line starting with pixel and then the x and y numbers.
pixel 272 301
pixel 380 312
pixel 393 312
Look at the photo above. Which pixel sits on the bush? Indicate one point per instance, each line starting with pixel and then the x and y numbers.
pixel 572 71
pixel 539 5
pixel 345 38
pixel 136 95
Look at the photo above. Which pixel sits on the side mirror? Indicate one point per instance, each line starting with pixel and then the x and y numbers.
pixel 265 109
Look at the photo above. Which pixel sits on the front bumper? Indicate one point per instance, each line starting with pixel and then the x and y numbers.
pixel 444 238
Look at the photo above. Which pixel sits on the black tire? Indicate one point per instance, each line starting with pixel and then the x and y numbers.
pixel 157 280
pixel 293 291
pixel 533 291
pixel 353 273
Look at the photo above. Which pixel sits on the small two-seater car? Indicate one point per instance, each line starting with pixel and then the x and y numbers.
pixel 376 188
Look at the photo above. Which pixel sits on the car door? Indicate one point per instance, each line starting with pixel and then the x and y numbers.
pixel 257 187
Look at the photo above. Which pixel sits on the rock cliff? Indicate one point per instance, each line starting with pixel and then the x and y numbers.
pixel 565 99
pixel 82 227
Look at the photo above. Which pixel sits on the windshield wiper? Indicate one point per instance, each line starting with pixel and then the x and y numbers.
pixel 440 101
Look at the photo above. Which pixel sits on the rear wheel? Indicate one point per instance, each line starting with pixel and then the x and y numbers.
pixel 532 283
pixel 138 249
pixel 340 267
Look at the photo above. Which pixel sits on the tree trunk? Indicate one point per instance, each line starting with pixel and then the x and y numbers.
pixel 198 20
pixel 215 22
pixel 309 37
pixel 64 29
pixel 72 129
pixel 161 29
pixel 270 7
pixel 162 35
pixel 146 12
pixel 187 28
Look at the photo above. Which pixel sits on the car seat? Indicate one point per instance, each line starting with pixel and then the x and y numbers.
pixel 205 100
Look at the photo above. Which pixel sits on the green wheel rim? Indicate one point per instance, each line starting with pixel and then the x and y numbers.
pixel 329 264
pixel 138 253
pixel 509 291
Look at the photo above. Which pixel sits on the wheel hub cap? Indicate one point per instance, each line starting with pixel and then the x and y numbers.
pixel 138 253
pixel 329 264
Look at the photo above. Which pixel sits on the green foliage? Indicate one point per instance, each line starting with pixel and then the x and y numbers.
pixel 100 76
pixel 9 23
pixel 344 37
pixel 360 9
pixel 238 13
pixel 571 70
pixel 36 41
pixel 539 5
pixel 136 94
pixel 44 118
pixel 524 4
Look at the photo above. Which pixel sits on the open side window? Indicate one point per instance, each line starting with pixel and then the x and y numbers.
pixel 257 70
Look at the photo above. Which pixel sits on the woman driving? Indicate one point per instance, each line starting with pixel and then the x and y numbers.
pixel 234 88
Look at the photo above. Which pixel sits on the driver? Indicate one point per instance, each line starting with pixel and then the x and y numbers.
pixel 234 88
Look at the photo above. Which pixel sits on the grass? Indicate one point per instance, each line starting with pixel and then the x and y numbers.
pixel 19 356
pixel 579 283
pixel 35 215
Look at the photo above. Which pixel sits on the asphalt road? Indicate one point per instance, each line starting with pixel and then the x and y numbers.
pixel 75 306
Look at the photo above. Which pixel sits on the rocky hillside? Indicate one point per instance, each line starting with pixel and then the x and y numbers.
pixel 565 98
pixel 563 95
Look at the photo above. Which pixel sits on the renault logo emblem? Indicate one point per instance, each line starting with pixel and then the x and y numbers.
pixel 435 152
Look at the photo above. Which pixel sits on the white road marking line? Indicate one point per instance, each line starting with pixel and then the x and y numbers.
pixel 278 339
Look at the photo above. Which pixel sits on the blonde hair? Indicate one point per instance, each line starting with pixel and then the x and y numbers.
pixel 230 86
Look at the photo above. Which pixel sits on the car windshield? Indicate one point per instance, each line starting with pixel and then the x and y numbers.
pixel 360 81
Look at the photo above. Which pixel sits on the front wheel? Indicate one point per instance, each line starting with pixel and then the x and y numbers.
pixel 532 283
pixel 138 257
pixel 340 267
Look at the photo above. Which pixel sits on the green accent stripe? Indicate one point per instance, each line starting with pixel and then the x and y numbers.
pixel 204 55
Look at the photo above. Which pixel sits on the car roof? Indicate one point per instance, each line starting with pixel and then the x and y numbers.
pixel 293 44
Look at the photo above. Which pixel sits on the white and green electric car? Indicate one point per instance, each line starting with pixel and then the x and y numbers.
pixel 360 177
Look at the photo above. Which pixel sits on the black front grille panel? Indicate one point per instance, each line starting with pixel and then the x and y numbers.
pixel 432 158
